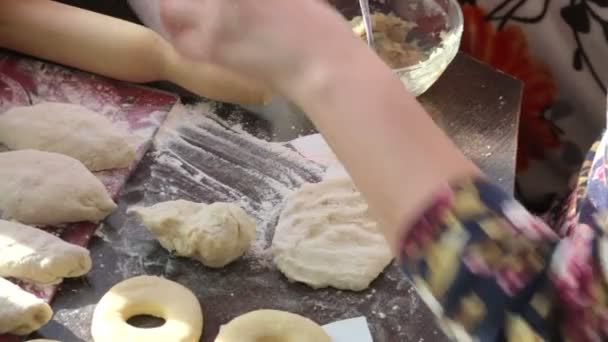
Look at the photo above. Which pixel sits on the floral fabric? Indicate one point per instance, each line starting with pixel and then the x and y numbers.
pixel 491 271
pixel 558 50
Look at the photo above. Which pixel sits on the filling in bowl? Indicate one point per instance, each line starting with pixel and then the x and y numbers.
pixel 390 34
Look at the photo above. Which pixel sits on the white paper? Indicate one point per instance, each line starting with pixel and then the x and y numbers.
pixel 315 148
pixel 349 330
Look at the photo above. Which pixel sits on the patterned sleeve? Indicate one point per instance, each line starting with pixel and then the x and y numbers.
pixel 491 271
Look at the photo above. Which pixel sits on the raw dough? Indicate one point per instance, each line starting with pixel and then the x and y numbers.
pixel 68 129
pixel 325 237
pixel 214 234
pixel 272 325
pixel 32 254
pixel 21 312
pixel 50 188
pixel 153 296
pixel 42 340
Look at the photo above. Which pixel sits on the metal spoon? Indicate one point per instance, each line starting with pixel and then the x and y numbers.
pixel 367 22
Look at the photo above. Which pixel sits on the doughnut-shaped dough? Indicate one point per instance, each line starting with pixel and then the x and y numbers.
pixel 147 295
pixel 272 325
pixel 42 340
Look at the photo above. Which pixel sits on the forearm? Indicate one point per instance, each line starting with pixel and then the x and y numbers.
pixel 392 149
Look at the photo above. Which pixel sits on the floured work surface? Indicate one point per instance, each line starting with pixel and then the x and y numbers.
pixel 199 158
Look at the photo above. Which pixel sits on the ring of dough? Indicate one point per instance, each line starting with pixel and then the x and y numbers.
pixel 147 295
pixel 272 325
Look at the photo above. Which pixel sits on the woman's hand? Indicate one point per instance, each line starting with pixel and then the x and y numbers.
pixel 270 40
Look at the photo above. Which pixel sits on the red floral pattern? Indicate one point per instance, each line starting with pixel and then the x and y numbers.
pixel 507 50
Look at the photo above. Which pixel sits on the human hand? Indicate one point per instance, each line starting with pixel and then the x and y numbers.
pixel 271 40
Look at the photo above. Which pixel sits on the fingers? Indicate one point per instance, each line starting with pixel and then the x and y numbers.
pixel 190 25
pixel 177 16
pixel 262 39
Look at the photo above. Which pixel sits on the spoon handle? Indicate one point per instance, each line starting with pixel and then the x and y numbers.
pixel 367 22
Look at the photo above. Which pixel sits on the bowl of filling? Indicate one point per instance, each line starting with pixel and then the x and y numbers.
pixel 417 38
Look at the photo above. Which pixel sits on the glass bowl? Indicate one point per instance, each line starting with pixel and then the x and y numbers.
pixel 435 28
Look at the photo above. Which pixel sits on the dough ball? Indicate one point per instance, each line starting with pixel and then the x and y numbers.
pixel 21 312
pixel 214 234
pixel 32 254
pixel 153 296
pixel 272 325
pixel 325 237
pixel 50 188
pixel 68 129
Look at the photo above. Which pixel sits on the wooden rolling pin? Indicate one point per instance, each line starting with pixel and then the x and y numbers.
pixel 114 48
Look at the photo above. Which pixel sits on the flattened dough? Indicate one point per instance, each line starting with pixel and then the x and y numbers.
pixel 148 295
pixel 21 312
pixel 272 325
pixel 50 188
pixel 68 129
pixel 32 254
pixel 215 234
pixel 325 237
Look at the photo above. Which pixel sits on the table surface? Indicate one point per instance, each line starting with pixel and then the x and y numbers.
pixel 477 107
pixel 479 111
